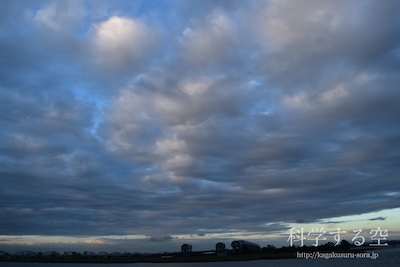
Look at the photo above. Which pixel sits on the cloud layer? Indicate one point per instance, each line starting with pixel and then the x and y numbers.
pixel 179 119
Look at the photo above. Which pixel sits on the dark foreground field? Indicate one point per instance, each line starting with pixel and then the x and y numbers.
pixel 160 259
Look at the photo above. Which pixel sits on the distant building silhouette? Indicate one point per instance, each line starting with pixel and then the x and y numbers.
pixel 186 248
pixel 71 254
pixel 243 246
pixel 51 254
pixel 126 254
pixel 103 254
pixel 220 247
pixel 89 254
pixel 115 254
pixel 4 255
pixel 25 254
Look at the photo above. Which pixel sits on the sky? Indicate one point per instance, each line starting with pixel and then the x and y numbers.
pixel 143 125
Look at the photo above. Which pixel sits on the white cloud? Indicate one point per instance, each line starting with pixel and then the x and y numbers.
pixel 170 145
pixel 297 101
pixel 334 94
pixel 310 23
pixel 211 41
pixel 61 15
pixel 122 42
pixel 48 17
pixel 196 87
pixel 179 161
pixel 311 99
pixel 126 121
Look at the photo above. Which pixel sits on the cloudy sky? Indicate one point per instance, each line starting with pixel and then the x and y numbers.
pixel 142 125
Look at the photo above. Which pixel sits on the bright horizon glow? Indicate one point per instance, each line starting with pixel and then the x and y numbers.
pixel 385 219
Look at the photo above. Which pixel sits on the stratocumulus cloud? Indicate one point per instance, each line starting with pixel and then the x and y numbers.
pixel 190 118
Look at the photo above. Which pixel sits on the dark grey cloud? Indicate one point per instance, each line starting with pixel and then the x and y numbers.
pixel 235 117
pixel 378 219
